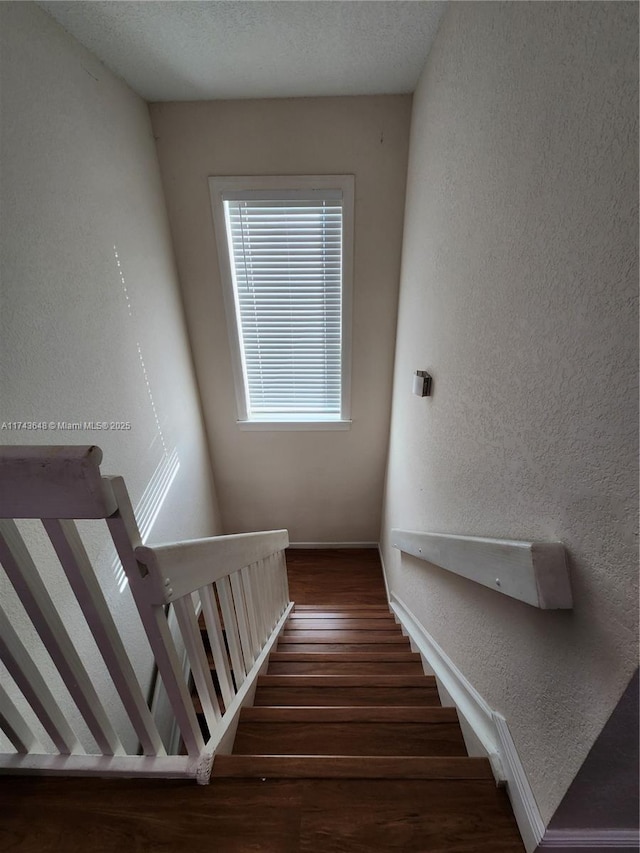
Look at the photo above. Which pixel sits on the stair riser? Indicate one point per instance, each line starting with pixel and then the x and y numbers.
pixel 351 767
pixel 393 656
pixel 334 648
pixel 349 739
pixel 398 714
pixel 319 636
pixel 346 668
pixel 342 625
pixel 302 615
pixel 341 608
pixel 346 696
pixel 314 681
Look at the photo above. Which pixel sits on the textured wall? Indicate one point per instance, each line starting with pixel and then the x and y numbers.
pixel 322 486
pixel 519 292
pixel 86 336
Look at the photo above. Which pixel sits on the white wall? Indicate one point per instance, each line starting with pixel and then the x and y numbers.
pixel 83 338
pixel 322 486
pixel 518 292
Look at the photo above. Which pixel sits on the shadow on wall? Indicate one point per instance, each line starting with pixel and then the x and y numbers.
pixel 605 792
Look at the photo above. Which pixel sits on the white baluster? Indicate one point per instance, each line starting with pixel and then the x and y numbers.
pixel 223 587
pixel 126 537
pixel 27 676
pixel 216 641
pixel 241 616
pixel 15 728
pixel 190 630
pixel 77 567
pixel 252 612
pixel 24 576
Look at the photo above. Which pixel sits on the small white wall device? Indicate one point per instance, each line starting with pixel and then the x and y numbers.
pixel 422 384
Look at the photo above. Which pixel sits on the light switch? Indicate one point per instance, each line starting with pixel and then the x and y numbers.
pixel 422 384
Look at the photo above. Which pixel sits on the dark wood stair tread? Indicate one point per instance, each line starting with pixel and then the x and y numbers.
pixel 331 816
pixel 350 767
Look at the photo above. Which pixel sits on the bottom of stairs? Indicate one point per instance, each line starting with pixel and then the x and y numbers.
pixel 365 815
pixel 348 749
pixel 237 815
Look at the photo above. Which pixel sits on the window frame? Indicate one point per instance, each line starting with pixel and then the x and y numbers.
pixel 221 187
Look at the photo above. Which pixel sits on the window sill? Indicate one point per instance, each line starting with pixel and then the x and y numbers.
pixel 293 426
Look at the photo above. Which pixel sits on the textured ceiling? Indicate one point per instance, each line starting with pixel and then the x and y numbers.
pixel 168 51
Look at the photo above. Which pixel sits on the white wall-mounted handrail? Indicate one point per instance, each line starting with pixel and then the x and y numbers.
pixel 229 595
pixel 533 572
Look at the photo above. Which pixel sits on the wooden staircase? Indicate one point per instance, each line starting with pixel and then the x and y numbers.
pixel 346 711
pixel 347 749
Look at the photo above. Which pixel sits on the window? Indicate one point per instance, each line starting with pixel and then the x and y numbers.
pixel 285 247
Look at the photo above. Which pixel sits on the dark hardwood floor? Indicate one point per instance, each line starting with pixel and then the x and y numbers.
pixel 242 815
pixel 349 576
pixel 347 750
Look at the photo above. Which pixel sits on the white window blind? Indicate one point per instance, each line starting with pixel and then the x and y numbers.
pixel 286 258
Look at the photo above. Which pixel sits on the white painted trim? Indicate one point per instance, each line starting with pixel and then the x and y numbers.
pixel 223 734
pixel 492 730
pixel 523 801
pixel 330 545
pixel 489 727
pixel 293 426
pixel 12 724
pixel 77 567
pixel 28 678
pixel 601 839
pixel 26 580
pixel 205 766
pixel 466 698
pixel 348 242
pixel 533 572
pixel 384 573
pixel 160 702
pixel 179 568
pixel 233 185
pixel 166 767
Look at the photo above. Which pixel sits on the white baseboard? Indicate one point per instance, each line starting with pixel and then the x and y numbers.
pixel 310 545
pixel 492 731
pixel 591 839
pixel 523 801
pixel 466 698
pixel 384 573
pixel 490 728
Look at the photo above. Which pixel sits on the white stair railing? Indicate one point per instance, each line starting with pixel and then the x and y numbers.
pixel 229 595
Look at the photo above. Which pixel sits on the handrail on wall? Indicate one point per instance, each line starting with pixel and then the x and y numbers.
pixel 533 572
